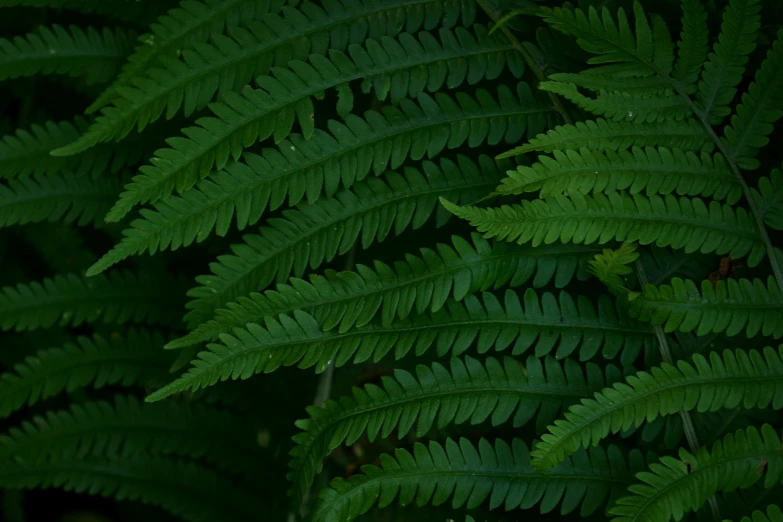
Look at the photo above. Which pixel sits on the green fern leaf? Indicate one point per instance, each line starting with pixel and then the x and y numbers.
pixel 648 51
pixel 610 266
pixel 69 299
pixel 560 322
pixel 730 307
pixel 55 198
pixel 414 285
pixel 230 62
pixel 606 135
pixel 306 168
pixel 761 107
pixel 739 378
pixel 314 234
pixel 135 358
pixel 95 429
pixel 723 70
pixel 664 221
pixel 192 492
pixel 623 106
pixel 501 474
pixel 184 27
pixel 92 55
pixel 692 47
pixel 245 118
pixel 650 170
pixel 677 486
pixel 436 396
pixel 26 152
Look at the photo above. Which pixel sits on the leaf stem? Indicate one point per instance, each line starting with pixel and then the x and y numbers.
pixel 531 63
pixel 687 421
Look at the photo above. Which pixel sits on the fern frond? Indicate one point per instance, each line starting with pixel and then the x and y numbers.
pixel 546 322
pixel 127 426
pixel 134 358
pixel 726 64
pixel 416 284
pixel 26 152
pixel 53 198
pixel 769 199
pixel 187 490
pixel 607 135
pixel 761 106
pixel 611 265
pixel 229 63
pixel 730 307
pixel 738 378
pixel 436 396
pixel 92 55
pixel 307 168
pixel 681 223
pixel 692 47
pixel 673 487
pixel 642 52
pixel 501 474
pixel 69 299
pixel 649 170
pixel 623 106
pixel 185 27
pixel 243 119
pixel 314 234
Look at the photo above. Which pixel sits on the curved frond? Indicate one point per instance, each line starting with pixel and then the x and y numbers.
pixel 54 198
pixel 184 27
pixel 69 299
pixel 243 119
pixel 127 426
pixel 649 171
pixel 434 474
pixel 314 234
pixel 26 152
pixel 306 168
pixel 134 358
pixel 676 486
pixel 738 378
pixel 187 490
pixel 437 396
pixel 731 307
pixel 726 63
pixel 547 323
pixel 682 223
pixel 92 55
pixel 416 284
pixel 607 135
pixel 761 106
pixel 645 51
pixel 622 106
pixel 229 63
pixel 692 47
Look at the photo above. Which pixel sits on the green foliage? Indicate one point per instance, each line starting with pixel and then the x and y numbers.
pixel 92 55
pixel 294 168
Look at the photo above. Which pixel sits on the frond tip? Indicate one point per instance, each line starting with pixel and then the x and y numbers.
pixel 749 379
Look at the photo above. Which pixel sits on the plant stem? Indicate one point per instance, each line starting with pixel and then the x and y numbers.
pixel 496 16
pixel 687 422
